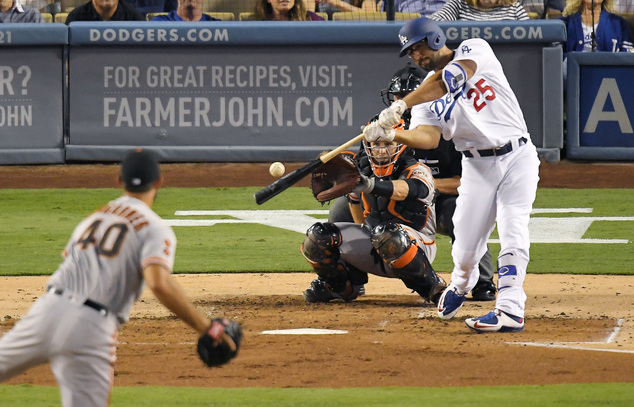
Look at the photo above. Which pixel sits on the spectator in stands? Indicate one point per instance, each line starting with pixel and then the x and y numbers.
pixel 543 7
pixel 611 32
pixel 333 6
pixel 11 11
pixel 283 10
pixel 104 10
pixel 481 10
pixel 425 7
pixel 188 10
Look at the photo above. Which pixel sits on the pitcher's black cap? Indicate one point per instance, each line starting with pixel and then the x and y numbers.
pixel 139 170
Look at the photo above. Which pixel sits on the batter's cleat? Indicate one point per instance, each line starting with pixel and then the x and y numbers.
pixel 496 321
pixel 450 302
pixel 484 291
pixel 321 291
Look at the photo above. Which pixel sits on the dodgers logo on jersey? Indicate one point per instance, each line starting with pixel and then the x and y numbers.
pixel 465 49
pixel 507 271
pixel 443 107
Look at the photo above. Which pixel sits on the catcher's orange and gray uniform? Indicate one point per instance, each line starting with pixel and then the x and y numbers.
pixel 396 239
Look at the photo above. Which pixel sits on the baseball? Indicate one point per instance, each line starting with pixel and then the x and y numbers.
pixel 277 169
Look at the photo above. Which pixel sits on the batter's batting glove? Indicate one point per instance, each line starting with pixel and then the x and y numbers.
pixel 391 116
pixel 220 343
pixel 374 132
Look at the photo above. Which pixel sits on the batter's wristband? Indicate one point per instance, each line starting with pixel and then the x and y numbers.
pixel 383 188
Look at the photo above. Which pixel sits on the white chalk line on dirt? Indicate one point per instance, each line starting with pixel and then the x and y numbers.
pixel 299 331
pixel 577 345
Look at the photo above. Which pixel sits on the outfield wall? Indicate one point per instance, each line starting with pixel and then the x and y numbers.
pixel 233 91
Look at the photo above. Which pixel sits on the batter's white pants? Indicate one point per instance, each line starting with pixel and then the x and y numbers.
pixel 78 341
pixel 494 189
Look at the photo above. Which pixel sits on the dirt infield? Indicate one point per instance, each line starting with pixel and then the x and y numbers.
pixel 579 329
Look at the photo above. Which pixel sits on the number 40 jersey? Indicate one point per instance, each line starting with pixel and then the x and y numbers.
pixel 107 252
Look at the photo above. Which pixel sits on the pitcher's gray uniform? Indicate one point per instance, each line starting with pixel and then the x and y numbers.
pixel 74 325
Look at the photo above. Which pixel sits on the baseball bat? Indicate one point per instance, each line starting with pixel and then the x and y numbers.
pixel 294 177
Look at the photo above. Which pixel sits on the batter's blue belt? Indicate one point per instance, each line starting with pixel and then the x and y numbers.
pixel 506 148
pixel 89 303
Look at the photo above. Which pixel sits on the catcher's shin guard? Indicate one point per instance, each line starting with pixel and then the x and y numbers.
pixel 321 250
pixel 408 261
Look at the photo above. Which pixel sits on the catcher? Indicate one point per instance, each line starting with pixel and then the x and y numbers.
pixel 391 237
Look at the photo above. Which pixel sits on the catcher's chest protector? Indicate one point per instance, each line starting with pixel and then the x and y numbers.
pixel 411 212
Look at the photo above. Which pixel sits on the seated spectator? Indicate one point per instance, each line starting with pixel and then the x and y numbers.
pixel 188 10
pixel 585 25
pixel 153 6
pixel 425 7
pixel 11 11
pixel 333 6
pixel 481 10
pixel 283 10
pixel 104 10
pixel 541 7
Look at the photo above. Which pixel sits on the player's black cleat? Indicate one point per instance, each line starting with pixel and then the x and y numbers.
pixel 484 291
pixel 321 291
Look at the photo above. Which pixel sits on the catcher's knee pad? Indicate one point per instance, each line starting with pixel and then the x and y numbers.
pixel 321 249
pixel 391 241
pixel 406 259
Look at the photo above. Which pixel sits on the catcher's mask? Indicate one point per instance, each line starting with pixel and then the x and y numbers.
pixel 383 155
pixel 403 82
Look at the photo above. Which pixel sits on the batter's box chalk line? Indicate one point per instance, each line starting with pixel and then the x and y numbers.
pixel 591 346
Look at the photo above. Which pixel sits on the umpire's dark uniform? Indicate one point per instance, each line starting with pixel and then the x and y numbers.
pixel 445 162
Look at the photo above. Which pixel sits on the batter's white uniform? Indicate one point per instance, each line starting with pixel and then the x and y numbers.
pixel 485 116
pixel 74 325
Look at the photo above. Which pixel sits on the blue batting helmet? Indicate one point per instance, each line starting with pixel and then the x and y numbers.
pixel 421 29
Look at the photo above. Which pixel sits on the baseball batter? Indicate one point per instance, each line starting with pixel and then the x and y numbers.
pixel 469 100
pixel 110 255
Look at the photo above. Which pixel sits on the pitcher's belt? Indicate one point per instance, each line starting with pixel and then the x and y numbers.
pixel 89 303
pixel 506 148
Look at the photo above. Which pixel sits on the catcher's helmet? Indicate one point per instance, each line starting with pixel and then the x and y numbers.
pixel 420 29
pixel 383 159
pixel 403 82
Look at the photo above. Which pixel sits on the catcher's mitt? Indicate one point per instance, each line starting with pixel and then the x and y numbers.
pixel 334 178
pixel 215 347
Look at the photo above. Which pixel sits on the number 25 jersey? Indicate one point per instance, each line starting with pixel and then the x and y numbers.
pixel 485 113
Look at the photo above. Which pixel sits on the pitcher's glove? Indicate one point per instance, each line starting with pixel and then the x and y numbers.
pixel 335 178
pixel 220 343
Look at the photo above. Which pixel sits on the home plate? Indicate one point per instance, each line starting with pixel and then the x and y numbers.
pixel 304 331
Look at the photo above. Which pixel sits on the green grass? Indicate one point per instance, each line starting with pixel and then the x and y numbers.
pixel 572 395
pixel 35 226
